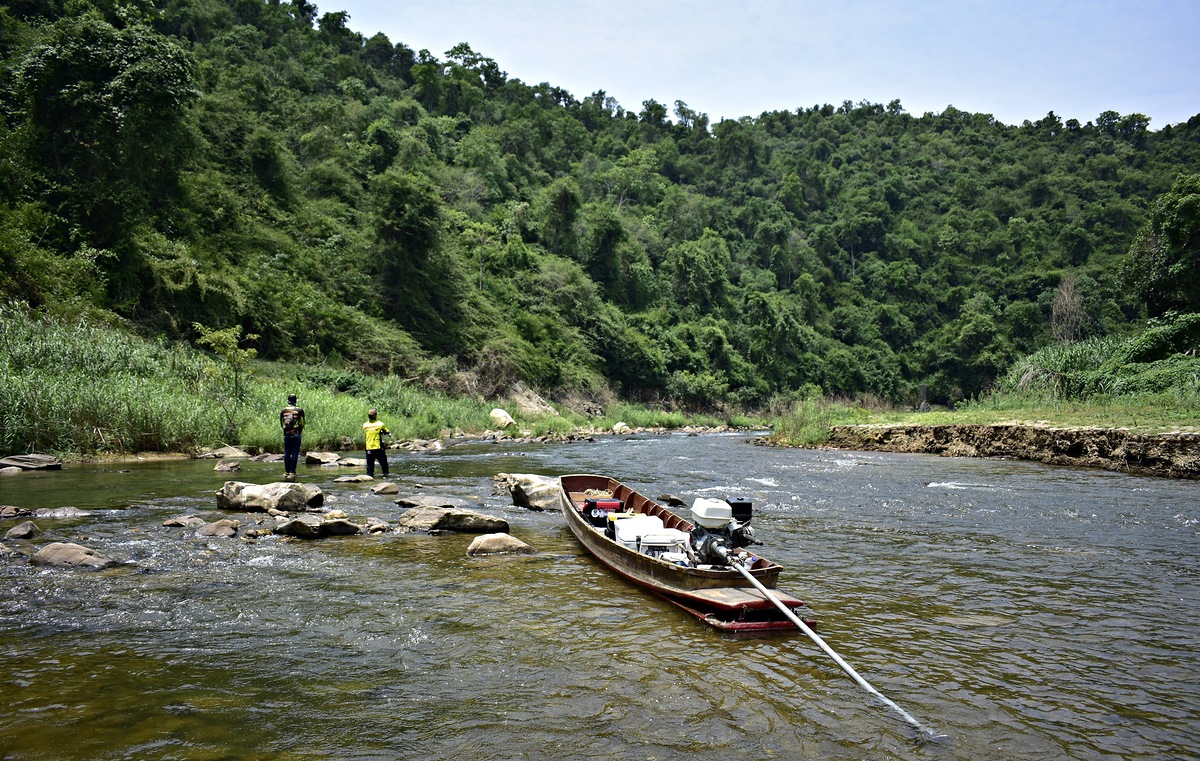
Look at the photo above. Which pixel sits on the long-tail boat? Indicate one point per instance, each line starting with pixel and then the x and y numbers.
pixel 657 549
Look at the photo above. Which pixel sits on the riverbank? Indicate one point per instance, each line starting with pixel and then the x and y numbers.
pixel 1170 455
pixel 1167 455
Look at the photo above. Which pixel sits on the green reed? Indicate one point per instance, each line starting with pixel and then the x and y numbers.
pixel 80 386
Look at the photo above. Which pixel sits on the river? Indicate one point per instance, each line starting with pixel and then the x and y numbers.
pixel 1023 611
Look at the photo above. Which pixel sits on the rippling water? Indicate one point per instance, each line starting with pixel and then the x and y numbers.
pixel 1026 612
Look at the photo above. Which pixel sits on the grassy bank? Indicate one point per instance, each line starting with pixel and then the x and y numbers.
pixel 1146 383
pixel 82 387
pixel 807 423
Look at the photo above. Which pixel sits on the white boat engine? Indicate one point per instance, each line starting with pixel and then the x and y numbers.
pixel 720 527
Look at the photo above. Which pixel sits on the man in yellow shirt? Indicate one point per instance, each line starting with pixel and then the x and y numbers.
pixel 373 431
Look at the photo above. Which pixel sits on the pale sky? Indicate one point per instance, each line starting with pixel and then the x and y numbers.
pixel 1013 59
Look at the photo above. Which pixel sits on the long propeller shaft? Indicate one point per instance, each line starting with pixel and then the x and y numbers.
pixel 829 650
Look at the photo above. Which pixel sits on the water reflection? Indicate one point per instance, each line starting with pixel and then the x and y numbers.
pixel 1027 612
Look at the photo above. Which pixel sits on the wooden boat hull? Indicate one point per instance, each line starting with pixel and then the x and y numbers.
pixel 717 596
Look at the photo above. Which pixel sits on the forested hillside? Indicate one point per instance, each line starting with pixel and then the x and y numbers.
pixel 341 199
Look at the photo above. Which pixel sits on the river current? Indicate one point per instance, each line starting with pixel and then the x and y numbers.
pixel 1023 611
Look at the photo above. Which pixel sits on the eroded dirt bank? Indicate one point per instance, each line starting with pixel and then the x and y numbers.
pixel 1172 455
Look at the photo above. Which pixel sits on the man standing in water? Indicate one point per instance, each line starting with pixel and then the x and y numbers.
pixel 291 419
pixel 373 431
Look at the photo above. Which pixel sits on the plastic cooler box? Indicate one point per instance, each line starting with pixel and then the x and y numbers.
pixel 627 530
pixel 669 541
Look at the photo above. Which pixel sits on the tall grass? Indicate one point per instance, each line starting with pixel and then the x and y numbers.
pixel 77 387
pixel 806 422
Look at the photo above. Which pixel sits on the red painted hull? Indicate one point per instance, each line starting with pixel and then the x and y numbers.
pixel 718 597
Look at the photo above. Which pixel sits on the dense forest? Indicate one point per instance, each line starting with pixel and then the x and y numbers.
pixel 182 167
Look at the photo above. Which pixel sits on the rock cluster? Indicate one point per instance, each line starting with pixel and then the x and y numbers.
pixel 293 511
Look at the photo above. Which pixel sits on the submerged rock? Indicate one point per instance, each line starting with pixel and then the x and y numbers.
pixel 67 555
pixel 361 478
pixel 184 521
pixel 423 500
pixel 236 495
pixel 223 528
pixel 499 544
pixel 377 526
pixel 24 530
pixel 12 511
pixel 62 513
pixel 227 467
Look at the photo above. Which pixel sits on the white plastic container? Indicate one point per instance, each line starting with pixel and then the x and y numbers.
pixel 666 540
pixel 629 529
pixel 712 513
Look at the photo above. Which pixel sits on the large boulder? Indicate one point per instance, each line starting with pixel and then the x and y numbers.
pixel 528 401
pixel 498 544
pixel 314 526
pixel 532 491
pixel 301 526
pixel 229 453
pixel 67 555
pixel 501 418
pixel 321 458
pixel 32 462
pixel 281 495
pixel 340 527
pixel 442 519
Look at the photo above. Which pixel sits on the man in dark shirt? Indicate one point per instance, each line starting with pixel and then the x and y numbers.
pixel 291 419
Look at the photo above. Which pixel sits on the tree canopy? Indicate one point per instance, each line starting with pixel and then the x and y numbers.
pixel 258 166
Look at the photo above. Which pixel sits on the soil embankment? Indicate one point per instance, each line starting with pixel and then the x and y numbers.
pixel 1172 455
